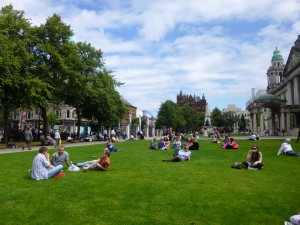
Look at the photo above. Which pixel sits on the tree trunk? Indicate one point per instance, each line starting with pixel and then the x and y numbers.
pixel 45 121
pixel 5 123
pixel 78 123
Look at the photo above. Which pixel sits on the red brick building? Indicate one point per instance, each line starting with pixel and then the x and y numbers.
pixel 199 104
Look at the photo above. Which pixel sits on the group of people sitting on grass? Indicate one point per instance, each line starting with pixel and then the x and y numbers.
pixel 44 166
pixel 165 143
pixel 229 143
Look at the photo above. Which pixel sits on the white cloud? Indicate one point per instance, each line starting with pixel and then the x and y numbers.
pixel 160 47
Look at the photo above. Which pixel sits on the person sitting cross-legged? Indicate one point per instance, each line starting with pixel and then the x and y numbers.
pixel 41 167
pixel 232 144
pixel 180 155
pixel 153 144
pixel 60 157
pixel 194 144
pixel 161 145
pixel 254 159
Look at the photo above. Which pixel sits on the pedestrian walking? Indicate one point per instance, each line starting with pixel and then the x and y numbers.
pixel 57 138
pixel 28 138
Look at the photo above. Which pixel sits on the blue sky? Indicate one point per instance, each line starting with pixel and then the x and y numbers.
pixel 158 48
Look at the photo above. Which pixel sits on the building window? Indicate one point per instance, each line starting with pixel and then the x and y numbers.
pixel 58 113
pixel 29 115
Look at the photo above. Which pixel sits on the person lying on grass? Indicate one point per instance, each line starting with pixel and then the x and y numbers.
pixel 41 167
pixel 102 163
pixel 180 155
pixel 287 149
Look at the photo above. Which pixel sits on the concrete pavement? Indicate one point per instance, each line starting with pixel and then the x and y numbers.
pixel 35 148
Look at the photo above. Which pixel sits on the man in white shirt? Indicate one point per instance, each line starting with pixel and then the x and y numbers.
pixel 181 155
pixel 286 148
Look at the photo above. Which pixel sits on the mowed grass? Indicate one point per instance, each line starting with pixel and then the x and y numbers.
pixel 141 189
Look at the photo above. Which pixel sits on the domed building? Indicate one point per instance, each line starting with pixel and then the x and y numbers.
pixel 278 110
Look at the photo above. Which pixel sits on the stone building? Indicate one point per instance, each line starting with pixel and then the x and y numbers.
pixel 279 108
pixel 237 112
pixel 67 118
pixel 199 104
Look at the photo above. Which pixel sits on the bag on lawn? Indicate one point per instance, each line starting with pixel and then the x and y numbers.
pixel 73 168
pixel 238 165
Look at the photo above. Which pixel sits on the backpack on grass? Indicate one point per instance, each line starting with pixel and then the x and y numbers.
pixel 238 165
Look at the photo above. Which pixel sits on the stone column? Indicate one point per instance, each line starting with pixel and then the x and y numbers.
pixel 282 121
pixel 153 132
pixel 147 131
pixel 296 91
pixel 254 122
pixel 250 123
pixel 288 122
pixel 128 131
pixel 274 128
pixel 261 122
pixel 289 93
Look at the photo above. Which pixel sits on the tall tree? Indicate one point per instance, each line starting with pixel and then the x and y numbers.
pixel 15 61
pixel 229 120
pixel 242 123
pixel 216 117
pixel 189 116
pixel 103 102
pixel 54 62
pixel 169 115
pixel 89 63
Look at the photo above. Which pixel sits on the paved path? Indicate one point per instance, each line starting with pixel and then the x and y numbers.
pixel 77 144
pixel 35 148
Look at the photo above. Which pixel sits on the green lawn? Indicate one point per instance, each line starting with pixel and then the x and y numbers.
pixel 140 189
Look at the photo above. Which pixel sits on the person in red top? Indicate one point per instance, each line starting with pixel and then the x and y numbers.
pixel 232 144
pixel 102 163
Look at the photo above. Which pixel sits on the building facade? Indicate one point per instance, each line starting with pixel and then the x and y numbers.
pixel 67 119
pixel 237 112
pixel 279 108
pixel 197 103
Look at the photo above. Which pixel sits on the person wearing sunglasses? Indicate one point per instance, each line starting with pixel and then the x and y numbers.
pixel 254 159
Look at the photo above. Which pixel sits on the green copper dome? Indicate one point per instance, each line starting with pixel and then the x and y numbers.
pixel 277 55
pixel 267 98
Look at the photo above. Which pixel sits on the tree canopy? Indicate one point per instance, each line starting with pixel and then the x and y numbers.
pixel 41 69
